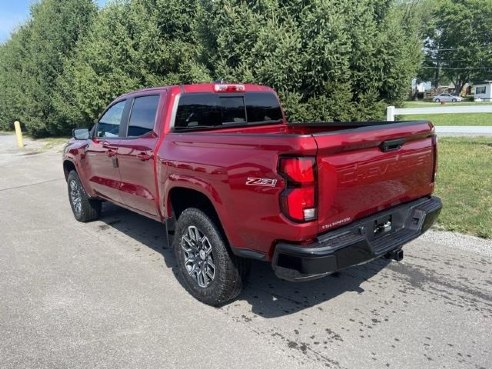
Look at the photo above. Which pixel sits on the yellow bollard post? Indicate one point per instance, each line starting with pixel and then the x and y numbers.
pixel 18 133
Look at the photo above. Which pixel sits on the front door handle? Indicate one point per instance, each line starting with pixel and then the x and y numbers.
pixel 144 156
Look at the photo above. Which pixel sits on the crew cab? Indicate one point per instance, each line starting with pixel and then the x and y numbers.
pixel 220 164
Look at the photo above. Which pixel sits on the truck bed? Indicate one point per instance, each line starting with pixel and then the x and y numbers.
pixel 305 128
pixel 357 174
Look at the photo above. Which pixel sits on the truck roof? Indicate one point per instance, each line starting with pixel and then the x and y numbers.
pixel 201 87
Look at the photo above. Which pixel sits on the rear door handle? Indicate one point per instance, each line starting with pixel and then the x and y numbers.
pixel 144 156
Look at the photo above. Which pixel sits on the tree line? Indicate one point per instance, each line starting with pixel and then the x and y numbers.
pixel 457 42
pixel 329 60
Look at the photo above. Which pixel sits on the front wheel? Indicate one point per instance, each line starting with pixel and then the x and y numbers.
pixel 437 100
pixel 206 267
pixel 84 208
pixel 454 100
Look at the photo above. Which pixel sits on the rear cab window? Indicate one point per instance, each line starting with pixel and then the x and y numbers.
pixel 212 110
pixel 143 115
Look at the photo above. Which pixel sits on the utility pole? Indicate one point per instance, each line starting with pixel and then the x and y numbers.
pixel 438 68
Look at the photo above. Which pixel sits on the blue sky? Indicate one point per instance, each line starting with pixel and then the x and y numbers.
pixel 14 13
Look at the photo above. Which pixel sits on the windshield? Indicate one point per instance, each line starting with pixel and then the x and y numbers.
pixel 211 110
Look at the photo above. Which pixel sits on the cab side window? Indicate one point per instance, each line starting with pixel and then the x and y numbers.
pixel 109 124
pixel 143 115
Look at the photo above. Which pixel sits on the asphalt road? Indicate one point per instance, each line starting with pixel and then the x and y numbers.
pixel 104 295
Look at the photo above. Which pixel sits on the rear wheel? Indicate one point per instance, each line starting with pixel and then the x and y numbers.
pixel 437 100
pixel 207 268
pixel 84 208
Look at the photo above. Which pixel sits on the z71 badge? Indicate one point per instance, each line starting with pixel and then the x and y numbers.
pixel 267 182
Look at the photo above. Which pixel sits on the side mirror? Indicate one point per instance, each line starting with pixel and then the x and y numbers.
pixel 80 133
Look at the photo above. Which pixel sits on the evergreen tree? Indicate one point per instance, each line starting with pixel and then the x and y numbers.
pixel 55 28
pixel 329 60
pixel 131 45
pixel 13 75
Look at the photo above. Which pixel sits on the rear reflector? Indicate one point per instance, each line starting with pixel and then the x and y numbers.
pixel 228 88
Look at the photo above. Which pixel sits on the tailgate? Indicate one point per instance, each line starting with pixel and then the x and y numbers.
pixel 368 169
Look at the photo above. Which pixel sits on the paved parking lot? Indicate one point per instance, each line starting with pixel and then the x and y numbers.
pixel 104 295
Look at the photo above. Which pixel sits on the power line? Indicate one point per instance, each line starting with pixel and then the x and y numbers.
pixel 461 48
pixel 458 68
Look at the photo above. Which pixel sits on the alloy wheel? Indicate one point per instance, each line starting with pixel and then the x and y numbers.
pixel 75 197
pixel 198 257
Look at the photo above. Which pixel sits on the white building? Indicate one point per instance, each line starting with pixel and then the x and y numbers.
pixel 483 91
pixel 421 87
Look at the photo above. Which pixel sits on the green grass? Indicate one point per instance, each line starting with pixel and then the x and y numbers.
pixel 476 119
pixel 464 183
pixel 52 142
pixel 470 119
pixel 44 144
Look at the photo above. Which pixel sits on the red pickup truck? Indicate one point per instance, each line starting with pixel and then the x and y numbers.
pixel 221 164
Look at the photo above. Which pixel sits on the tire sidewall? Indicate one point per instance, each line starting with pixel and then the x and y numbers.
pixel 90 208
pixel 218 291
pixel 73 176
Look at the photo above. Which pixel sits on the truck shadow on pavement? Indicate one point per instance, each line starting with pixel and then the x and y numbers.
pixel 268 296
pixel 271 297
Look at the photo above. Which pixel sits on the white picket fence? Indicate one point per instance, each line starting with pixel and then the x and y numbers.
pixel 391 111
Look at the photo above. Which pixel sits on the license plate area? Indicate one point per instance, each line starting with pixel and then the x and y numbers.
pixel 382 226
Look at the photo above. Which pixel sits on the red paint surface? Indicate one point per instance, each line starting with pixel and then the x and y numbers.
pixel 354 177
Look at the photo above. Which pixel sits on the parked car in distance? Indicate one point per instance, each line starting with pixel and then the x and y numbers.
pixel 446 98
pixel 221 165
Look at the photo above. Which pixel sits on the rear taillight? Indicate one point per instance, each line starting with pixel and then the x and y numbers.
pixel 298 200
pixel 228 88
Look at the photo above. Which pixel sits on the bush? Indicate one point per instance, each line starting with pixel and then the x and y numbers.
pixel 343 60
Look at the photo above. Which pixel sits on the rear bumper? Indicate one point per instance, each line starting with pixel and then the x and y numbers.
pixel 356 243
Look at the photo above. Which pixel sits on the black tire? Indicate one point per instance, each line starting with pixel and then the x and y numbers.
pixel 454 100
pixel 437 100
pixel 84 208
pixel 229 271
